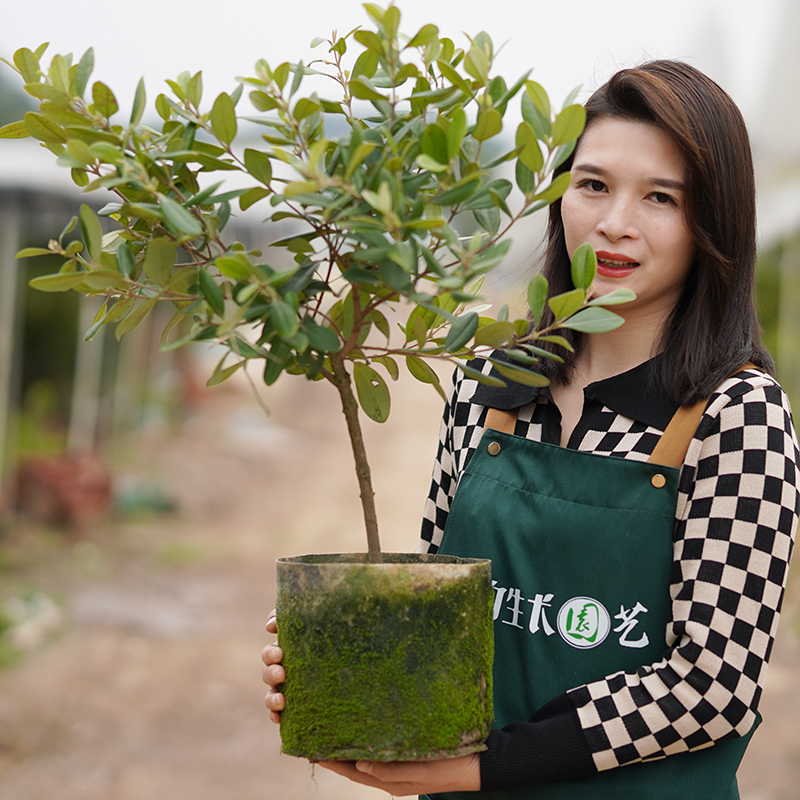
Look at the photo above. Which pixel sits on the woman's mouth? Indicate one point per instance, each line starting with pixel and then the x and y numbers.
pixel 614 265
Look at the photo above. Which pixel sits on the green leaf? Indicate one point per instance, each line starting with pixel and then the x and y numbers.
pixel 14 130
pixel 182 220
pixel 163 108
pixel 559 340
pixel 495 335
pixel 223 119
pixel 61 282
pixel 594 320
pixel 372 391
pixel 362 89
pixel 490 123
pixel 305 107
pixel 102 151
pixel 104 280
pixel 461 331
pixel 471 372
pixel 569 124
pixel 613 298
pixel 234 266
pixel 28 65
pixel 424 373
pixel 125 261
pixel 321 339
pixel 370 40
pixel 477 64
pixel 78 152
pixel 258 165
pixel 461 191
pixel 526 179
pixel 537 296
pixel 456 132
pixel 82 72
pixel 211 292
pixel 139 102
pixel 104 99
pixel 538 97
pixel 30 252
pixel 59 73
pixel 530 153
pixel 219 374
pixel 92 232
pixel 194 89
pixel 366 64
pixel 583 267
pixel 359 154
pixel 537 119
pixel 555 189
pixel 454 78
pixel 390 364
pixel 43 129
pixel 252 196
pixel 135 318
pixel 519 374
pixel 263 101
pixel 430 164
pixel 434 143
pixel 425 35
pixel 566 304
pixel 284 318
pixel 159 260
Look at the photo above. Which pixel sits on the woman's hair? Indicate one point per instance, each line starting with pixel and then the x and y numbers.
pixel 713 328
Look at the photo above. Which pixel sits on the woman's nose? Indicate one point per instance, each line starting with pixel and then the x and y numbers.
pixel 618 220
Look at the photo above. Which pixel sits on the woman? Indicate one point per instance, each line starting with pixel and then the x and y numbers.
pixel 695 560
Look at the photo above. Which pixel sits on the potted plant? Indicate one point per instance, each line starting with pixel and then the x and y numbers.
pixel 402 205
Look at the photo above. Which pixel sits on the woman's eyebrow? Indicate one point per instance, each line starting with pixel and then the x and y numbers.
pixel 665 183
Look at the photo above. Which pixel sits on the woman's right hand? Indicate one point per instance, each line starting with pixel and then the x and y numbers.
pixel 273 674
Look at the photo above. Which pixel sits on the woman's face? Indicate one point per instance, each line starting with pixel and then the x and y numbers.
pixel 626 198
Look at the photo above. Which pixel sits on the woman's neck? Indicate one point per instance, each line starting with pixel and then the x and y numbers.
pixel 606 354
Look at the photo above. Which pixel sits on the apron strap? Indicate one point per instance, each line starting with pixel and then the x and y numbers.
pixel 499 420
pixel 670 451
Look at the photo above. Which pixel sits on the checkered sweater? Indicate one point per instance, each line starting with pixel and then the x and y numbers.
pixel 735 523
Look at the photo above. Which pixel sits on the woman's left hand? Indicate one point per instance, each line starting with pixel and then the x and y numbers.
pixel 402 778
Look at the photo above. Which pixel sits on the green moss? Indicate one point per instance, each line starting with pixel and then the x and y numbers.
pixel 384 664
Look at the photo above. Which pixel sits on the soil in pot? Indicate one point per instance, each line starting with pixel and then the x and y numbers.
pixel 388 661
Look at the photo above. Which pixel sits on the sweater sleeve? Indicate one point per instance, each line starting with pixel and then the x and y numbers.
pixel 459 435
pixel 736 521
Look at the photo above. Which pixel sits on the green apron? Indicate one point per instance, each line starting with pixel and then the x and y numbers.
pixel 581 550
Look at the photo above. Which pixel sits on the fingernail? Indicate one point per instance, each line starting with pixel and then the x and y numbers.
pixel 364 766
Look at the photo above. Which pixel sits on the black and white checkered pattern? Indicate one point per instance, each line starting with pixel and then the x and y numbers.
pixel 735 524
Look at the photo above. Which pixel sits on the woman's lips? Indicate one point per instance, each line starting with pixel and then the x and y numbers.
pixel 615 265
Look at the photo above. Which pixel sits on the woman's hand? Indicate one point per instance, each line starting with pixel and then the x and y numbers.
pixel 273 674
pixel 401 778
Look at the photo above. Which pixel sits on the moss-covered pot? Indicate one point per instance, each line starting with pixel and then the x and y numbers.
pixel 388 661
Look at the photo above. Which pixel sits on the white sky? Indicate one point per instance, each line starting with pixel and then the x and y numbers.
pixel 566 43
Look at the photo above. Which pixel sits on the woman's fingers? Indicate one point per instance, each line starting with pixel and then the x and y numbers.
pixel 273 674
pixel 272 624
pixel 413 778
pixel 272 654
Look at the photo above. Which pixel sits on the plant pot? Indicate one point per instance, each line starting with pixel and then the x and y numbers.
pixel 388 661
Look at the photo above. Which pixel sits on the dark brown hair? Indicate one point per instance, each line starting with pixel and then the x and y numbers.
pixel 713 328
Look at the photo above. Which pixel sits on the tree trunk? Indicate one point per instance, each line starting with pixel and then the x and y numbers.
pixel 341 380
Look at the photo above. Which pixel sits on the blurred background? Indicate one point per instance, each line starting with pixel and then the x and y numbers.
pixel 138 527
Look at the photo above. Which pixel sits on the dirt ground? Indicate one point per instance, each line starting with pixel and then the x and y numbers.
pixel 151 685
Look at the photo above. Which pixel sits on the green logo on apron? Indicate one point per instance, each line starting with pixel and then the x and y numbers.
pixel 583 622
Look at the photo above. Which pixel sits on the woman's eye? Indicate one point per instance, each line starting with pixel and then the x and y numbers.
pixel 661 198
pixel 593 185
